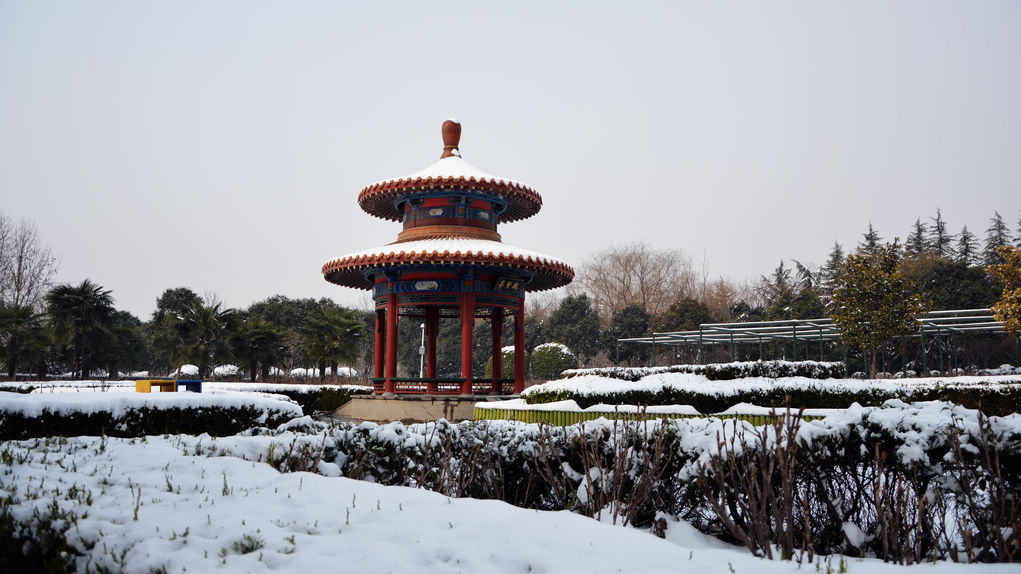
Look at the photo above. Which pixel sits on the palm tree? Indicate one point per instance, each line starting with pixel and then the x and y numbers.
pixel 332 336
pixel 203 332
pixel 259 343
pixel 77 314
pixel 22 336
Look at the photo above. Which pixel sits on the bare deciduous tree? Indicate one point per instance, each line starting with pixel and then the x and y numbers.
pixel 27 264
pixel 637 273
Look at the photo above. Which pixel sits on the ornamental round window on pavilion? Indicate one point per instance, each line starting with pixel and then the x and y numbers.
pixel 448 261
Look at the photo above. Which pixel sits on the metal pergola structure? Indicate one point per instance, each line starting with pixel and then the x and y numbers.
pixel 935 325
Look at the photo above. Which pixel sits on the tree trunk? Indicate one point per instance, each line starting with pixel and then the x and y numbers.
pixel 872 365
pixel 334 367
pixel 251 370
pixel 12 371
pixel 322 371
pixel 78 358
pixel 40 369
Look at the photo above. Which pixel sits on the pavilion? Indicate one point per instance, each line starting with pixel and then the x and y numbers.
pixel 449 262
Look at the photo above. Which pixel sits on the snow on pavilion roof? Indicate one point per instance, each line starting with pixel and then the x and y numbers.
pixel 548 272
pixel 450 173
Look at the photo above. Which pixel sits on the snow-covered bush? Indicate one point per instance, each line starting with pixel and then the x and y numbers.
pixel 137 414
pixel 507 362
pixel 723 371
pixel 899 481
pixel 551 359
pixel 996 397
pixel 225 371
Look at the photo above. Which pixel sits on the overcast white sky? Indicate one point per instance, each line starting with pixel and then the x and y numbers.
pixel 221 145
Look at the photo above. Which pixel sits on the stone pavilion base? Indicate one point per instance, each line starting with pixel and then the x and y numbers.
pixel 413 408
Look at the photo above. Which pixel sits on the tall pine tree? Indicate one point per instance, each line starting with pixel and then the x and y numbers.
pixel 916 243
pixel 967 247
pixel 997 234
pixel 940 241
pixel 871 241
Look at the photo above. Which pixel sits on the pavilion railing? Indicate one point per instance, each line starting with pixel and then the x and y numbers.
pixel 443 386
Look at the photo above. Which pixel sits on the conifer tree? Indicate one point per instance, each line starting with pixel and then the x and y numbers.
pixel 997 234
pixel 967 247
pixel 830 272
pixel 916 243
pixel 871 240
pixel 940 241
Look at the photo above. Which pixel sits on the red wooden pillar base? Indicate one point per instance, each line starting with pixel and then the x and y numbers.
pixel 497 349
pixel 432 327
pixel 467 326
pixel 389 385
pixel 378 354
pixel 519 348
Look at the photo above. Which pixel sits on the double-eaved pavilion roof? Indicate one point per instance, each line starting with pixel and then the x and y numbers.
pixel 547 272
pixel 449 245
pixel 958 321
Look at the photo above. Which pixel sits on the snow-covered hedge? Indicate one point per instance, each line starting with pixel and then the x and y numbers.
pixel 849 465
pixel 549 360
pixel 723 371
pixel 995 395
pixel 137 414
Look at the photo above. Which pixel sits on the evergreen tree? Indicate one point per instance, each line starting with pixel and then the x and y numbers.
pixel 121 345
pixel 631 321
pixel 576 324
pixel 203 333
pixel 871 240
pixel 161 333
pixel 967 247
pixel 940 241
pixel 916 243
pixel 77 313
pixel 1008 308
pixel 997 234
pixel 23 336
pixel 332 337
pixel 874 303
pixel 830 272
pixel 260 345
pixel 684 315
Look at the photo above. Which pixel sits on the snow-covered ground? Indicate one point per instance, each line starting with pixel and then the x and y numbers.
pixel 196 504
pixel 170 502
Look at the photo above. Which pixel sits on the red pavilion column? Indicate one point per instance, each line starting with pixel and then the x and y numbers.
pixel 519 348
pixel 378 356
pixel 467 323
pixel 391 338
pixel 497 348
pixel 432 327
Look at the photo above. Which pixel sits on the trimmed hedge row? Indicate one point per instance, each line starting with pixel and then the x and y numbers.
pixel 322 399
pixel 217 421
pixel 995 400
pixel 724 371
pixel 642 470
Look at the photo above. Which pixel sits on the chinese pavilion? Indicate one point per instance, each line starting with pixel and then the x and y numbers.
pixel 449 262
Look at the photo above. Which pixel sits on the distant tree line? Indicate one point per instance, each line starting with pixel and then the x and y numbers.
pixel 625 291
